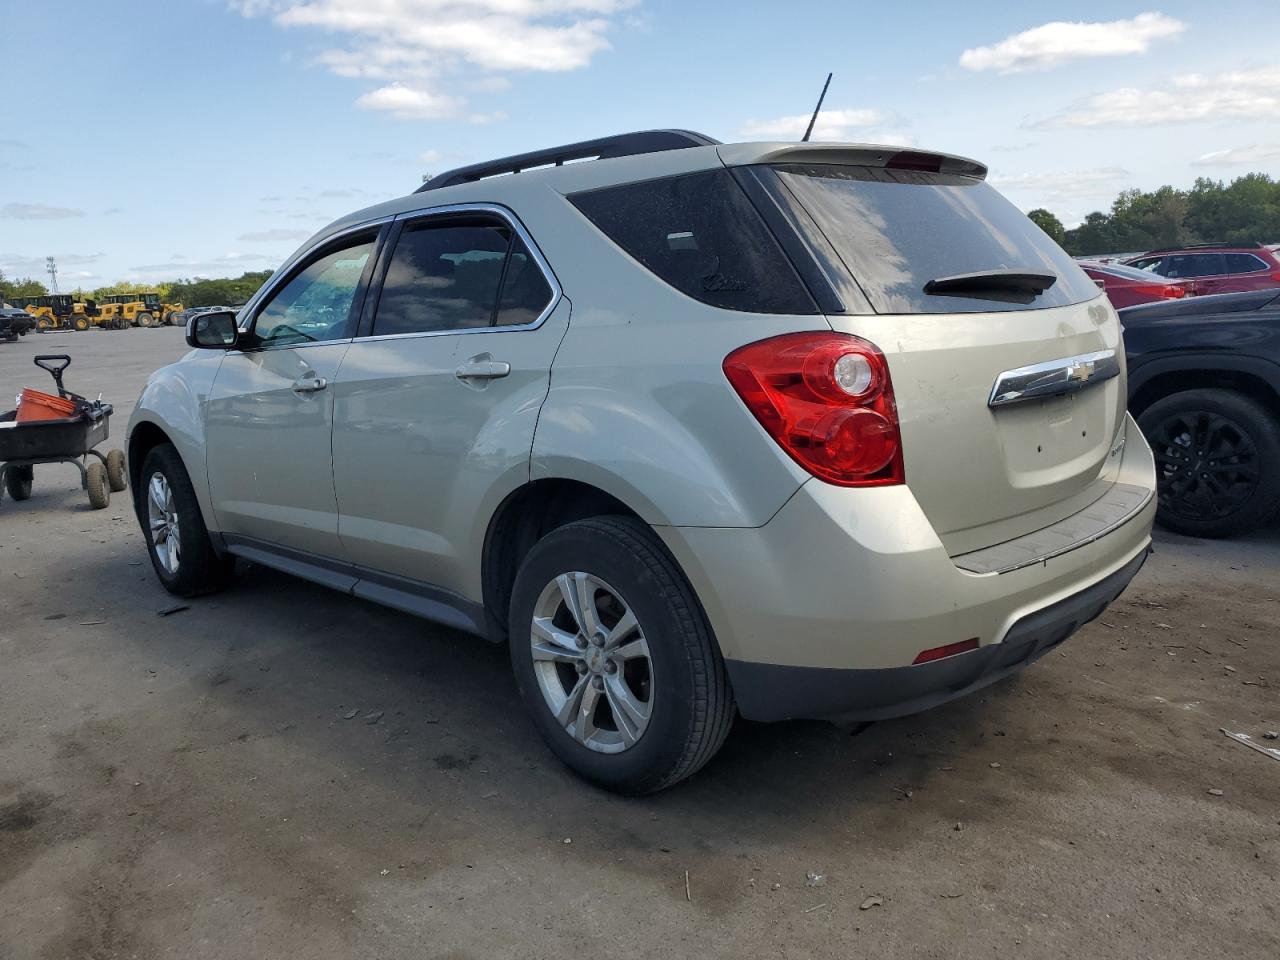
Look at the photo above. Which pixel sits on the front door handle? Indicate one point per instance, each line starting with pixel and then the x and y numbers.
pixel 483 370
pixel 309 384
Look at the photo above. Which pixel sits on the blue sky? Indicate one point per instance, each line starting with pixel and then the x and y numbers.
pixel 207 137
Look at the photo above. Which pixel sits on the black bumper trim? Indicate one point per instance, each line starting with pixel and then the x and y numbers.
pixel 768 692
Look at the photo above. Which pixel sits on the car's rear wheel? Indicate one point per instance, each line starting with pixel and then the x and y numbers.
pixel 614 659
pixel 1217 458
pixel 177 539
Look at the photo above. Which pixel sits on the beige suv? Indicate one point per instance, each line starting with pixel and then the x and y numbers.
pixel 698 430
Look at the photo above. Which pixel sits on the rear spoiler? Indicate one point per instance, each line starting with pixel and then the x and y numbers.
pixel 851 154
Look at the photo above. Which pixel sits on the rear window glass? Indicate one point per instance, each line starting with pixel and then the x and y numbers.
pixel 700 234
pixel 896 230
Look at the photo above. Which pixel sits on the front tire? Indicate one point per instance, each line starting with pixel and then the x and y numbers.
pixel 1217 458
pixel 177 539
pixel 614 658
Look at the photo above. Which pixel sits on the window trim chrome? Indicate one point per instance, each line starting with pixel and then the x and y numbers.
pixel 1054 378
pixel 508 216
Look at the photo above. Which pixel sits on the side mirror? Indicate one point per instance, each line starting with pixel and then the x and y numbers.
pixel 215 330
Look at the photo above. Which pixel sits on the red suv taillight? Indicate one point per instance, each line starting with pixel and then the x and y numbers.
pixel 827 400
pixel 1165 291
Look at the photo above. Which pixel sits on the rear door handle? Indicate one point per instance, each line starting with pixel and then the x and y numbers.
pixel 309 384
pixel 483 370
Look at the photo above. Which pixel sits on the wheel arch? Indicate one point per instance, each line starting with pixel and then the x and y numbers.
pixel 525 516
pixel 1252 377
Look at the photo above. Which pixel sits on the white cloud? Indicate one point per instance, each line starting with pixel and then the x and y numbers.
pixel 1059 42
pixel 410 103
pixel 272 236
pixel 37 211
pixel 416 46
pixel 861 124
pixel 1062 186
pixel 1238 95
pixel 1254 153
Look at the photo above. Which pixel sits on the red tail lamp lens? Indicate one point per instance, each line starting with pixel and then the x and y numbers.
pixel 826 399
pixel 949 650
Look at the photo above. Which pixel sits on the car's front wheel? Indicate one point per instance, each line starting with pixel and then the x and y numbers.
pixel 1217 458
pixel 177 539
pixel 614 659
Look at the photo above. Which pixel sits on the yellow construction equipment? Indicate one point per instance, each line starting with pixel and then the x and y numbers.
pixel 139 309
pixel 54 311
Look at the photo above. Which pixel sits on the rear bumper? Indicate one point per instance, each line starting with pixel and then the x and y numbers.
pixel 823 610
pixel 768 692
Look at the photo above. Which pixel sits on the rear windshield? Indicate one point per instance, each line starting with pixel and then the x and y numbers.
pixel 896 230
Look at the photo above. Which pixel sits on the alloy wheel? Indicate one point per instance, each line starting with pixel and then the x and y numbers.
pixel 162 517
pixel 1206 464
pixel 592 662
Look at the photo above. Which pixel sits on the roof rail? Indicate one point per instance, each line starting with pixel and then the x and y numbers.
pixel 622 145
pixel 1244 245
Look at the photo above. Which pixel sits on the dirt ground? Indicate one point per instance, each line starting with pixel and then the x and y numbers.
pixel 281 771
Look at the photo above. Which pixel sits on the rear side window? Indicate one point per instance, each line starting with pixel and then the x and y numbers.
pixel 459 275
pixel 700 234
pixel 896 230
pixel 1243 263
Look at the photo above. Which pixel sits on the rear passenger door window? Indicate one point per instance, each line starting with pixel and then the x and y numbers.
pixel 1195 265
pixel 459 274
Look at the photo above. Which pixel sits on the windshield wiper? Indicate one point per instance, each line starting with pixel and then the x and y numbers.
pixel 1013 280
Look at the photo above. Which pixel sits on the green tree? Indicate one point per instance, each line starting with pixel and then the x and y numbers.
pixel 24 287
pixel 1050 224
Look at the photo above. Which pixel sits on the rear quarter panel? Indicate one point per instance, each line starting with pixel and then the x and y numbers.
pixel 639 406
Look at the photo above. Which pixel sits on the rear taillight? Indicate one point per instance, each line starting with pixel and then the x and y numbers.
pixel 827 400
pixel 1165 291
pixel 1276 276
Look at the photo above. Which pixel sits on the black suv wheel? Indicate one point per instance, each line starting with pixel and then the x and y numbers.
pixel 1217 461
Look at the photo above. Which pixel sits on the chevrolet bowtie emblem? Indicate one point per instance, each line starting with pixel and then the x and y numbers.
pixel 1080 371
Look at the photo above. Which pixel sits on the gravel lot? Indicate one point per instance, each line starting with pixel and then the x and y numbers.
pixel 283 771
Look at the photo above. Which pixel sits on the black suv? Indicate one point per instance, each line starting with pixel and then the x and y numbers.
pixel 14 323
pixel 1204 385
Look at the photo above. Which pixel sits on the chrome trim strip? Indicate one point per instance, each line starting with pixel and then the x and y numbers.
pixel 1054 378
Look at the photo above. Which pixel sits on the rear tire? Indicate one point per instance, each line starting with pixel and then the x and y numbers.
pixel 96 485
pixel 1217 462
pixel 117 476
pixel 81 324
pixel 18 480
pixel 197 569
pixel 145 319
pixel 679 698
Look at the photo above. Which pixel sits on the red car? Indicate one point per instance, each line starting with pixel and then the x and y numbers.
pixel 1215 267
pixel 1126 286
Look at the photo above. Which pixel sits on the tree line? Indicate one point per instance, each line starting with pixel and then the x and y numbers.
pixel 1246 209
pixel 226 291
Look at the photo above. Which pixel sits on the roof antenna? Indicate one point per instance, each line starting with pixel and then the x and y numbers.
pixel 814 118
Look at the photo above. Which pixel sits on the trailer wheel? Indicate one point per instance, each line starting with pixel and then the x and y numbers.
pixel 17 480
pixel 117 478
pixel 97 486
